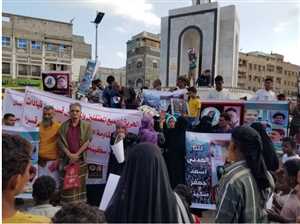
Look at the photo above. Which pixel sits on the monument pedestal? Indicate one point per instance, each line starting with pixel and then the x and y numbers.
pixel 211 31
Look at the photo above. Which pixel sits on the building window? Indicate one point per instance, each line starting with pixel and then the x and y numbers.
pixel 50 47
pixel 23 69
pixel 36 70
pixel 250 66
pixel 36 45
pixel 61 48
pixel 5 68
pixel 154 65
pixel 5 41
pixel 139 64
pixel 5 19
pixel 22 43
pixel 255 66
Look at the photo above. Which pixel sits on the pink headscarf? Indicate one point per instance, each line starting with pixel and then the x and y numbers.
pixel 147 132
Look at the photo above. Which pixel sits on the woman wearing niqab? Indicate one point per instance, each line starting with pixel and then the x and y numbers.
pixel 144 194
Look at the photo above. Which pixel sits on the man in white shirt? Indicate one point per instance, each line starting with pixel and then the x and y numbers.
pixel 265 94
pixel 219 93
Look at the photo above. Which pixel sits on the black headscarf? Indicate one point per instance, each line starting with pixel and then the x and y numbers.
pixel 205 125
pixel 249 144
pixel 268 151
pixel 144 193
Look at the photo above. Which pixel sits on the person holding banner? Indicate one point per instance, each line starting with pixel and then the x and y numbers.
pixel 129 139
pixel 242 190
pixel 74 138
pixel 143 193
pixel 48 151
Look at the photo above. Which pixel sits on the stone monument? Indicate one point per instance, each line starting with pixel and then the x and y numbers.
pixel 213 34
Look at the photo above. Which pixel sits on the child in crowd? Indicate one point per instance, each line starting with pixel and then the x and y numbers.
pixel 16 164
pixel 194 106
pixel 79 213
pixel 43 189
pixel 286 205
pixel 289 149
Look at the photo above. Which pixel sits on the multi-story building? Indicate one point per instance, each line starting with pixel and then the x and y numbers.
pixel 143 59
pixel 255 67
pixel 32 45
pixel 119 74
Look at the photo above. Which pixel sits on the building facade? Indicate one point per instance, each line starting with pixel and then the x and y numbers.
pixel 255 67
pixel 143 60
pixel 119 74
pixel 32 45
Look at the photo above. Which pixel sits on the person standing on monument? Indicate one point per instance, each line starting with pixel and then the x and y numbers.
pixel 74 138
pixel 219 93
pixel 265 94
pixel 204 79
pixel 193 65
pixel 48 152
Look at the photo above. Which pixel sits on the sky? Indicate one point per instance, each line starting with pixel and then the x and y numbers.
pixel 265 25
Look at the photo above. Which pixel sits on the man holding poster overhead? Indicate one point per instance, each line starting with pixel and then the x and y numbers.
pixel 74 137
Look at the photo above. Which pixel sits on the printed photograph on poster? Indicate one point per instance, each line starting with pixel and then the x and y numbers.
pixel 205 158
pixel 178 106
pixel 87 78
pixel 234 113
pixel 273 116
pixel 56 82
pixel 279 118
pixel 214 110
pixel 95 171
pixel 213 113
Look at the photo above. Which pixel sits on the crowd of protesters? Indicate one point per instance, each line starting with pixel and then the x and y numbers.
pixel 256 186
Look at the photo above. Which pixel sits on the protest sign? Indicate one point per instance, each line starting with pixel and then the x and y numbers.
pixel 205 157
pixel 214 109
pixel 31 134
pixel 13 103
pixel 109 190
pixel 87 78
pixel 102 120
pixel 161 100
pixel 56 82
pixel 179 106
pixel 273 115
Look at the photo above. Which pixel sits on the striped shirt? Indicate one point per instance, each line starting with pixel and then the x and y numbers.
pixel 239 199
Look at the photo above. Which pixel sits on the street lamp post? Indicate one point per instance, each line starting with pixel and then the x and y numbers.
pixel 97 21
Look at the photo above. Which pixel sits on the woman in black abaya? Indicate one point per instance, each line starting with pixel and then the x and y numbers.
pixel 175 152
pixel 144 193
pixel 269 153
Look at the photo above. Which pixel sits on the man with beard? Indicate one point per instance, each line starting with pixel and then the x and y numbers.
pixel 48 152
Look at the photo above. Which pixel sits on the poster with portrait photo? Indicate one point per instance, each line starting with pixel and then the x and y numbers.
pixel 95 171
pixel 86 80
pixel 205 158
pixel 273 116
pixel 279 118
pixel 178 106
pixel 214 109
pixel 57 82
